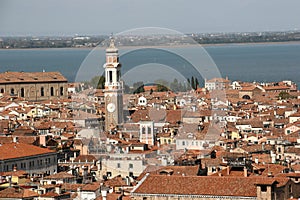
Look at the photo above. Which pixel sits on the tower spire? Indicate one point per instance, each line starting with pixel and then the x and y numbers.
pixel 112 41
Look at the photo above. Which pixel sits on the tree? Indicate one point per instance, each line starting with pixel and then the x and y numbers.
pixel 101 82
pixel 151 91
pixel 126 88
pixel 193 83
pixel 162 85
pixel 284 95
pixel 96 82
pixel 188 86
pixel 196 83
pixel 138 87
pixel 174 86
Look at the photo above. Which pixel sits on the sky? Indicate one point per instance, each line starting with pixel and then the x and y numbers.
pixel 98 17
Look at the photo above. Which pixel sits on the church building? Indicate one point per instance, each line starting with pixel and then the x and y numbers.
pixel 34 86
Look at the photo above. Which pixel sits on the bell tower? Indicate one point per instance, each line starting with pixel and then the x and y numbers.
pixel 113 92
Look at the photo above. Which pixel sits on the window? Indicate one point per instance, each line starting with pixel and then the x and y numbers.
pixel 22 92
pixel 110 76
pixel 12 91
pixel 42 91
pixel 52 91
pixel 118 165
pixel 31 164
pixel 2 90
pixel 130 165
pixel 183 143
pixel 108 174
pixel 263 188
pixel 23 165
pixel 61 91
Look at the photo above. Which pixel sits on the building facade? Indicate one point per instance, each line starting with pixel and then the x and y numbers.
pixel 217 84
pixel 32 159
pixel 113 92
pixel 34 86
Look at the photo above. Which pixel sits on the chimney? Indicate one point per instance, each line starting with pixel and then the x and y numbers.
pixel 9 181
pixel 43 140
pixel 228 170
pixel 57 189
pixel 79 192
pixel 127 181
pixel 270 174
pixel 15 139
pixel 256 160
pixel 104 191
pixel 15 168
pixel 245 172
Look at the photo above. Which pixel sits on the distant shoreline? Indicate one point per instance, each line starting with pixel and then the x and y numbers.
pixel 163 46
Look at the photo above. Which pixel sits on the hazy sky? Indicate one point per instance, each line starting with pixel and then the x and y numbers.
pixel 68 17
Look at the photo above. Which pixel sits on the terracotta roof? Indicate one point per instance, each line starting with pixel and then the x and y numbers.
pixel 294 150
pixel 55 195
pixel 115 182
pixel 199 185
pixel 23 77
pixel 20 150
pixel 14 173
pixel 297 114
pixel 60 175
pixel 83 158
pixel 180 170
pixel 17 193
pixel 91 187
pixel 296 167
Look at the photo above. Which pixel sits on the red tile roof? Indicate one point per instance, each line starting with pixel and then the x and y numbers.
pixel 18 193
pixel 198 185
pixel 23 77
pixel 60 175
pixel 20 150
pixel 83 158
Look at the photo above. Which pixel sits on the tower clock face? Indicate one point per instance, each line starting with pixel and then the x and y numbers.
pixel 111 107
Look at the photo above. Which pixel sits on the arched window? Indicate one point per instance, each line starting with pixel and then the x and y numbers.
pixel 42 91
pixel 246 97
pixel 52 91
pixel 22 92
pixel 12 91
pixel 2 90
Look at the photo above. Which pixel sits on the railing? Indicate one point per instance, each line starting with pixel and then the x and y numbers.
pixel 116 85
